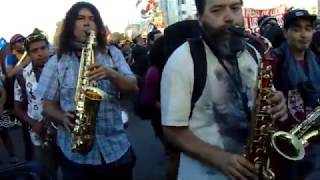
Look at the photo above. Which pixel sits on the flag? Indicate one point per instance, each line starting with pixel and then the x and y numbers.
pixel 3 43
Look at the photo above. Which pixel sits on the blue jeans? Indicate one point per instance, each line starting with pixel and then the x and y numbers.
pixel 120 169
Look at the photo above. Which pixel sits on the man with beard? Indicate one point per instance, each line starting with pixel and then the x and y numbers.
pixel 28 106
pixel 212 136
pixel 297 75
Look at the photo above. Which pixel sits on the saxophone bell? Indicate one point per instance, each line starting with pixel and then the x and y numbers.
pixel 291 145
pixel 288 145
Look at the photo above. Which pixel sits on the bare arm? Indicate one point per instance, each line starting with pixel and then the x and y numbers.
pixel 232 165
pixel 123 84
pixel 185 140
pixel 52 110
pixel 12 71
pixel 3 98
pixel 21 112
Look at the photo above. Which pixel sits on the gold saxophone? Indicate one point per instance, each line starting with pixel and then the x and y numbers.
pixel 49 137
pixel 87 100
pixel 263 137
pixel 258 148
pixel 291 144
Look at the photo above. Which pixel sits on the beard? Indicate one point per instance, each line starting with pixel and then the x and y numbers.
pixel 225 43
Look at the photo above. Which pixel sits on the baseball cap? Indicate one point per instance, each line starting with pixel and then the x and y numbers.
pixel 16 38
pixel 136 35
pixel 292 16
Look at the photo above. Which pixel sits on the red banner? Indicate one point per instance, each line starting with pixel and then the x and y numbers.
pixel 251 15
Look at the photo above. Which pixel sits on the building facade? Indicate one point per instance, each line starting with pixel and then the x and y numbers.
pixel 179 10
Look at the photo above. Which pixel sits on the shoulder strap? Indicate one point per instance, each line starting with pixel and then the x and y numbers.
pixel 22 82
pixel 200 69
pixel 252 52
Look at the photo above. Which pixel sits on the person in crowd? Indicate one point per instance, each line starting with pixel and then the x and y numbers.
pixel 4 133
pixel 297 75
pixel 127 51
pixel 16 55
pixel 151 98
pixel 315 44
pixel 211 135
pixel 265 22
pixel 28 106
pixel 153 36
pixel 270 28
pixel 140 57
pixel 111 155
pixel 14 62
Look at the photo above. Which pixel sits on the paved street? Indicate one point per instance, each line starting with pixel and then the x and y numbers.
pixel 150 163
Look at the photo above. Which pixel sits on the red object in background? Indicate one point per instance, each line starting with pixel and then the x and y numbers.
pixel 251 15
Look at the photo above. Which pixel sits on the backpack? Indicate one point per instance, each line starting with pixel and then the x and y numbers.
pixel 174 36
pixel 145 111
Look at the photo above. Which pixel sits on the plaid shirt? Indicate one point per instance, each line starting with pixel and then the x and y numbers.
pixel 58 83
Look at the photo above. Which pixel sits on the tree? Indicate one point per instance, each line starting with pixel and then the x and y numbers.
pixel 117 37
pixel 57 33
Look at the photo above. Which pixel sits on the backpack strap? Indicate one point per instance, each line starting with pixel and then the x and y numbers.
pixel 252 52
pixel 200 70
pixel 22 82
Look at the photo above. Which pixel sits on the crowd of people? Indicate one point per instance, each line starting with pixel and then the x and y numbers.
pixel 196 81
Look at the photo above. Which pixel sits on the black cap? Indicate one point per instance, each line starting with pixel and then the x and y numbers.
pixel 292 16
pixel 264 20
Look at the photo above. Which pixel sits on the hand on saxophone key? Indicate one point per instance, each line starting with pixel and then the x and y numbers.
pixel 237 167
pixel 68 120
pixel 98 72
pixel 279 107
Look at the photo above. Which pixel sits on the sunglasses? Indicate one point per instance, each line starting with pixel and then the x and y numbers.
pixel 35 37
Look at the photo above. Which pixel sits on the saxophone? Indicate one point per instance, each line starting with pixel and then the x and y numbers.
pixel 291 144
pixel 263 138
pixel 49 137
pixel 87 100
pixel 258 148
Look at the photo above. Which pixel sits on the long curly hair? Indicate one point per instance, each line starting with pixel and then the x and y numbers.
pixel 67 37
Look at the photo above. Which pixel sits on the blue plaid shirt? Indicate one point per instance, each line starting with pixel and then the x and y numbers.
pixel 58 83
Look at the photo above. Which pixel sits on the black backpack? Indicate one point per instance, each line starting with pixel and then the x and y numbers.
pixel 145 111
pixel 174 36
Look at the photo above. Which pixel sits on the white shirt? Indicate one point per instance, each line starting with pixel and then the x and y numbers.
pixel 35 104
pixel 217 118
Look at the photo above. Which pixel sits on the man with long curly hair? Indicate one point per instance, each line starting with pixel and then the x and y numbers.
pixel 111 156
